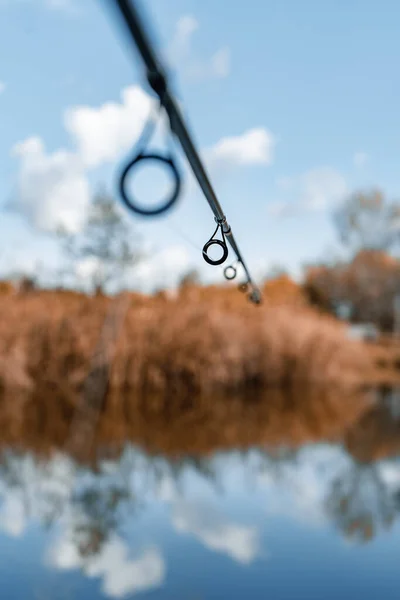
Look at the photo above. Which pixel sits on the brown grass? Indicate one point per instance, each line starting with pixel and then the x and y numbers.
pixel 200 372
pixel 204 341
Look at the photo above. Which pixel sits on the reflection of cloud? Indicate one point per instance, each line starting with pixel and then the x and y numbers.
pixel 167 489
pixel 12 515
pixel 294 485
pixel 323 485
pixel 120 574
pixel 240 542
pixel 390 473
pixel 299 489
pixel 32 490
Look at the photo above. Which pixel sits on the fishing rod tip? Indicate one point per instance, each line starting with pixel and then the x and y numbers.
pixel 255 296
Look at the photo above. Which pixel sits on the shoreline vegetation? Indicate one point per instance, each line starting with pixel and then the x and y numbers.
pixel 193 373
pixel 172 348
pixel 202 359
pixel 202 340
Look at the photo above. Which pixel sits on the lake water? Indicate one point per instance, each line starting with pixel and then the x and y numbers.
pixel 312 522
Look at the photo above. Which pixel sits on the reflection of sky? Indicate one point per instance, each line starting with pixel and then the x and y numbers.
pixel 119 573
pixel 232 525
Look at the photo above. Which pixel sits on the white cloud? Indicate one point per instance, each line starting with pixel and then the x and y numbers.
pixel 284 183
pixel 2 87
pixel 66 6
pixel 181 41
pixel 360 159
pixel 221 63
pixel 52 189
pixel 59 4
pixel 180 53
pixel 253 147
pixel 281 208
pixel 317 190
pixel 239 542
pixel 218 67
pixel 162 269
pixel 87 267
pixel 120 574
pixel 322 187
pixel 101 134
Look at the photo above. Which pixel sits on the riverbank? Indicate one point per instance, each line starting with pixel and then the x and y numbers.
pixel 213 341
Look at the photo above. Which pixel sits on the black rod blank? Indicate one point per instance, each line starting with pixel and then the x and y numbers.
pixel 157 79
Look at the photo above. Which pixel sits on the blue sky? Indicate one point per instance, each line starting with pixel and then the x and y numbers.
pixel 292 104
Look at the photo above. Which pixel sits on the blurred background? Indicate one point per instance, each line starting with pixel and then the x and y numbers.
pixel 155 425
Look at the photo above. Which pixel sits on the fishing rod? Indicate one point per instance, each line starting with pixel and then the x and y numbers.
pixel 157 79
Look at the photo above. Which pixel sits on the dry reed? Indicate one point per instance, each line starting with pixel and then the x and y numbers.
pixel 187 343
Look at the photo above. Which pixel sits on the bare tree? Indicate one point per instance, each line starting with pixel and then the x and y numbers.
pixel 367 221
pixel 190 278
pixel 275 271
pixel 107 240
pixel 367 286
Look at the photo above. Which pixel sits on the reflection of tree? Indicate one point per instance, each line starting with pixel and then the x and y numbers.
pixel 360 503
pixel 159 469
pixel 274 460
pixel 99 510
pixel 10 473
pixel 376 435
pixel 94 501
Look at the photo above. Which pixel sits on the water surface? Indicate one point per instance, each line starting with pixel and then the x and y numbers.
pixel 317 521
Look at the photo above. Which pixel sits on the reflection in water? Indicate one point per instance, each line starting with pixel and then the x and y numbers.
pixel 377 433
pixel 361 502
pixel 132 521
pixel 186 425
pixel 211 528
pixel 119 573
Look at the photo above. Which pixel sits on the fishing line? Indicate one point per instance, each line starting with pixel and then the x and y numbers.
pixel 157 80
